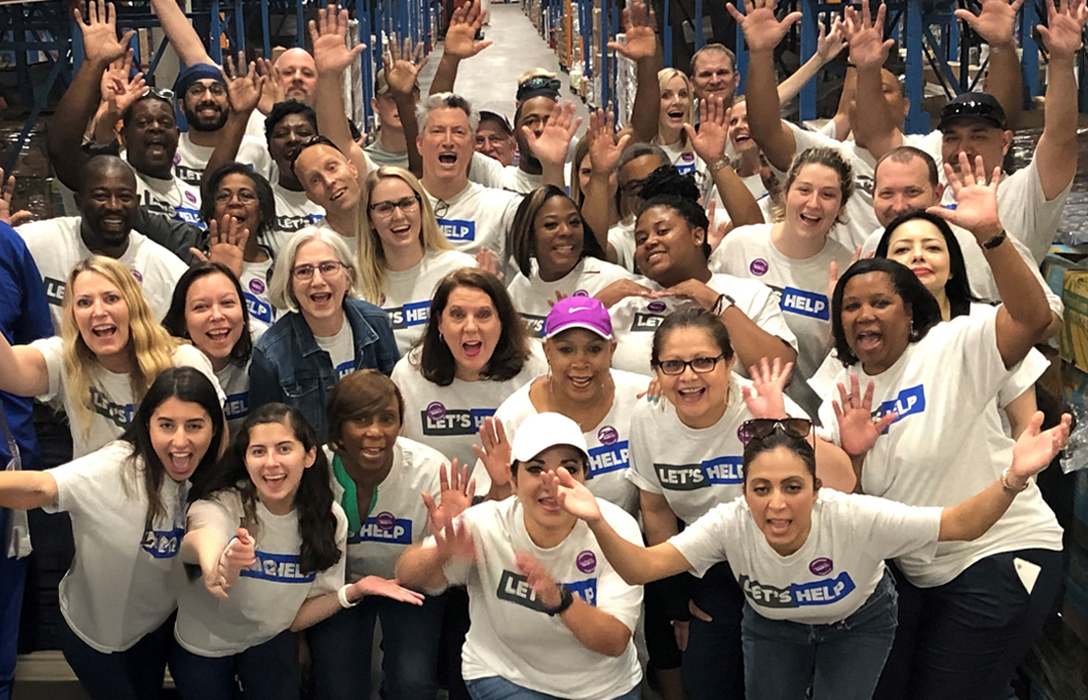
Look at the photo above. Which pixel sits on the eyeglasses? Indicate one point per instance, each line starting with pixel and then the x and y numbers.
pixel 244 196
pixel 406 205
pixel 760 428
pixel 699 365
pixel 441 208
pixel 197 89
pixel 327 268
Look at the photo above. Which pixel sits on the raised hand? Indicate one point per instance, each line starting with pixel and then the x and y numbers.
pixel 554 141
pixel 402 65
pixel 120 88
pixel 542 583
pixel 495 453
pixel 226 244
pixel 240 553
pixel 762 30
pixel 994 21
pixel 453 541
pixel 833 269
pixel 1065 27
pixel 387 588
pixel 713 134
pixel 328 34
pixel 639 32
pixel 487 261
pixel 858 430
pixel 460 42
pixel 866 36
pixel 455 494
pixel 99 28
pixel 273 91
pixel 620 290
pixel 244 88
pixel 7 193
pixel 976 200
pixel 765 398
pixel 573 496
pixel 1036 449
pixel 604 149
pixel 830 44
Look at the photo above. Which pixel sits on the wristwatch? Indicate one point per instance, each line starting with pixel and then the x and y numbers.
pixel 718 164
pixel 566 599
pixel 724 302
pixel 995 241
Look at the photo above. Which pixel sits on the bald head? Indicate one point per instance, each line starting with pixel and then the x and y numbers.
pixel 108 205
pixel 297 75
pixel 102 168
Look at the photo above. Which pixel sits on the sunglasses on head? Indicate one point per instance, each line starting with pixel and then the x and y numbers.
pixel 539 83
pixel 760 428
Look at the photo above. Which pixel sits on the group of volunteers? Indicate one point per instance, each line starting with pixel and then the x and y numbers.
pixel 744 408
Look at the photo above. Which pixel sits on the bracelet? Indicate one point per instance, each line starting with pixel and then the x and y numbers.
pixel 723 302
pixel 342 596
pixel 1005 483
pixel 718 164
pixel 566 599
pixel 995 241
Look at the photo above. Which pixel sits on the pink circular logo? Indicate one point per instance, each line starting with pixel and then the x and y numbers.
pixel 688 157
pixel 190 196
pixel 256 286
pixel 607 435
pixel 758 267
pixel 385 521
pixel 436 411
pixel 580 293
pixel 138 276
pixel 656 306
pixel 177 157
pixel 586 561
pixel 821 566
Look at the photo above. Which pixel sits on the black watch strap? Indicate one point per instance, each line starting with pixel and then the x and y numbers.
pixel 995 241
pixel 566 599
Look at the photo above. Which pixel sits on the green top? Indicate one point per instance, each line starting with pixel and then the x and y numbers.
pixel 350 501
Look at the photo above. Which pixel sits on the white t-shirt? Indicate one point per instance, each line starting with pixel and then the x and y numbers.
pixel 748 253
pixel 294 212
pixel 173 198
pixel 341 349
pixel 622 237
pixel 531 297
pixel 380 156
pixel 979 273
pixel 694 469
pixel 687 163
pixel 407 294
pixel 448 418
pixel 112 402
pixel 234 380
pixel 398 517
pixel 255 279
pixel 947 443
pixel 635 319
pixel 123 583
pixel 485 170
pixel 268 594
pixel 833 573
pixel 477 217
pixel 191 160
pixel 509 628
pixel 57 247
pixel 608 441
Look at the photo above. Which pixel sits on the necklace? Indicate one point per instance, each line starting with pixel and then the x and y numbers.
pixel 590 410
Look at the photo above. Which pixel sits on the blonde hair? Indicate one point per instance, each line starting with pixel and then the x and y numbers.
pixel 279 287
pixel 150 348
pixel 368 244
pixel 664 77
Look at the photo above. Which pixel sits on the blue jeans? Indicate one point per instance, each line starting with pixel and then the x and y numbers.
pixel 12 578
pixel 498 688
pixel 712 665
pixel 134 674
pixel 964 639
pixel 267 671
pixel 342 646
pixel 840 661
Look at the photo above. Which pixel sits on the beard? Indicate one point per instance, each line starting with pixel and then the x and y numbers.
pixel 200 123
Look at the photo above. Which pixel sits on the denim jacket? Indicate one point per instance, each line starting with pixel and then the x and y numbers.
pixel 289 367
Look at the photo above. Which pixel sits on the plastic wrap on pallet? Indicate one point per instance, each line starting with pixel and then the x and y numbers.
pixel 355 100
pixel 625 85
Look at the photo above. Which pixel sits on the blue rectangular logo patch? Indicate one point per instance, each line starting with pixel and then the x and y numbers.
pixel 811 304
pixel 458 229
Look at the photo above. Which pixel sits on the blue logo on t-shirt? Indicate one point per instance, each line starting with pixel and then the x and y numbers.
pixel 723 470
pixel 414 314
pixel 395 531
pixel 823 592
pixel 907 403
pixel 279 568
pixel 260 310
pixel 586 590
pixel 345 368
pixel 237 405
pixel 458 229
pixel 163 544
pixel 810 304
pixel 608 458
pixel 454 421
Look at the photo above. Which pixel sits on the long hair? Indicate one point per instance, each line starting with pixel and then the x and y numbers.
pixel 436 362
pixel 175 323
pixel 185 384
pixel 923 308
pixel 664 77
pixel 581 151
pixel 266 200
pixel 958 286
pixel 313 500
pixel 150 348
pixel 522 235
pixel 369 250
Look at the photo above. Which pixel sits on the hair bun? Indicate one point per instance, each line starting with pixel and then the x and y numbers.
pixel 667 181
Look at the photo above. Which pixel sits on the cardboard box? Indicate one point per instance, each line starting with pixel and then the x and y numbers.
pixel 1066 273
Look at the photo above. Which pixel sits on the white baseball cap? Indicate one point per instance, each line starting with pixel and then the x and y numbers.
pixel 545 430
